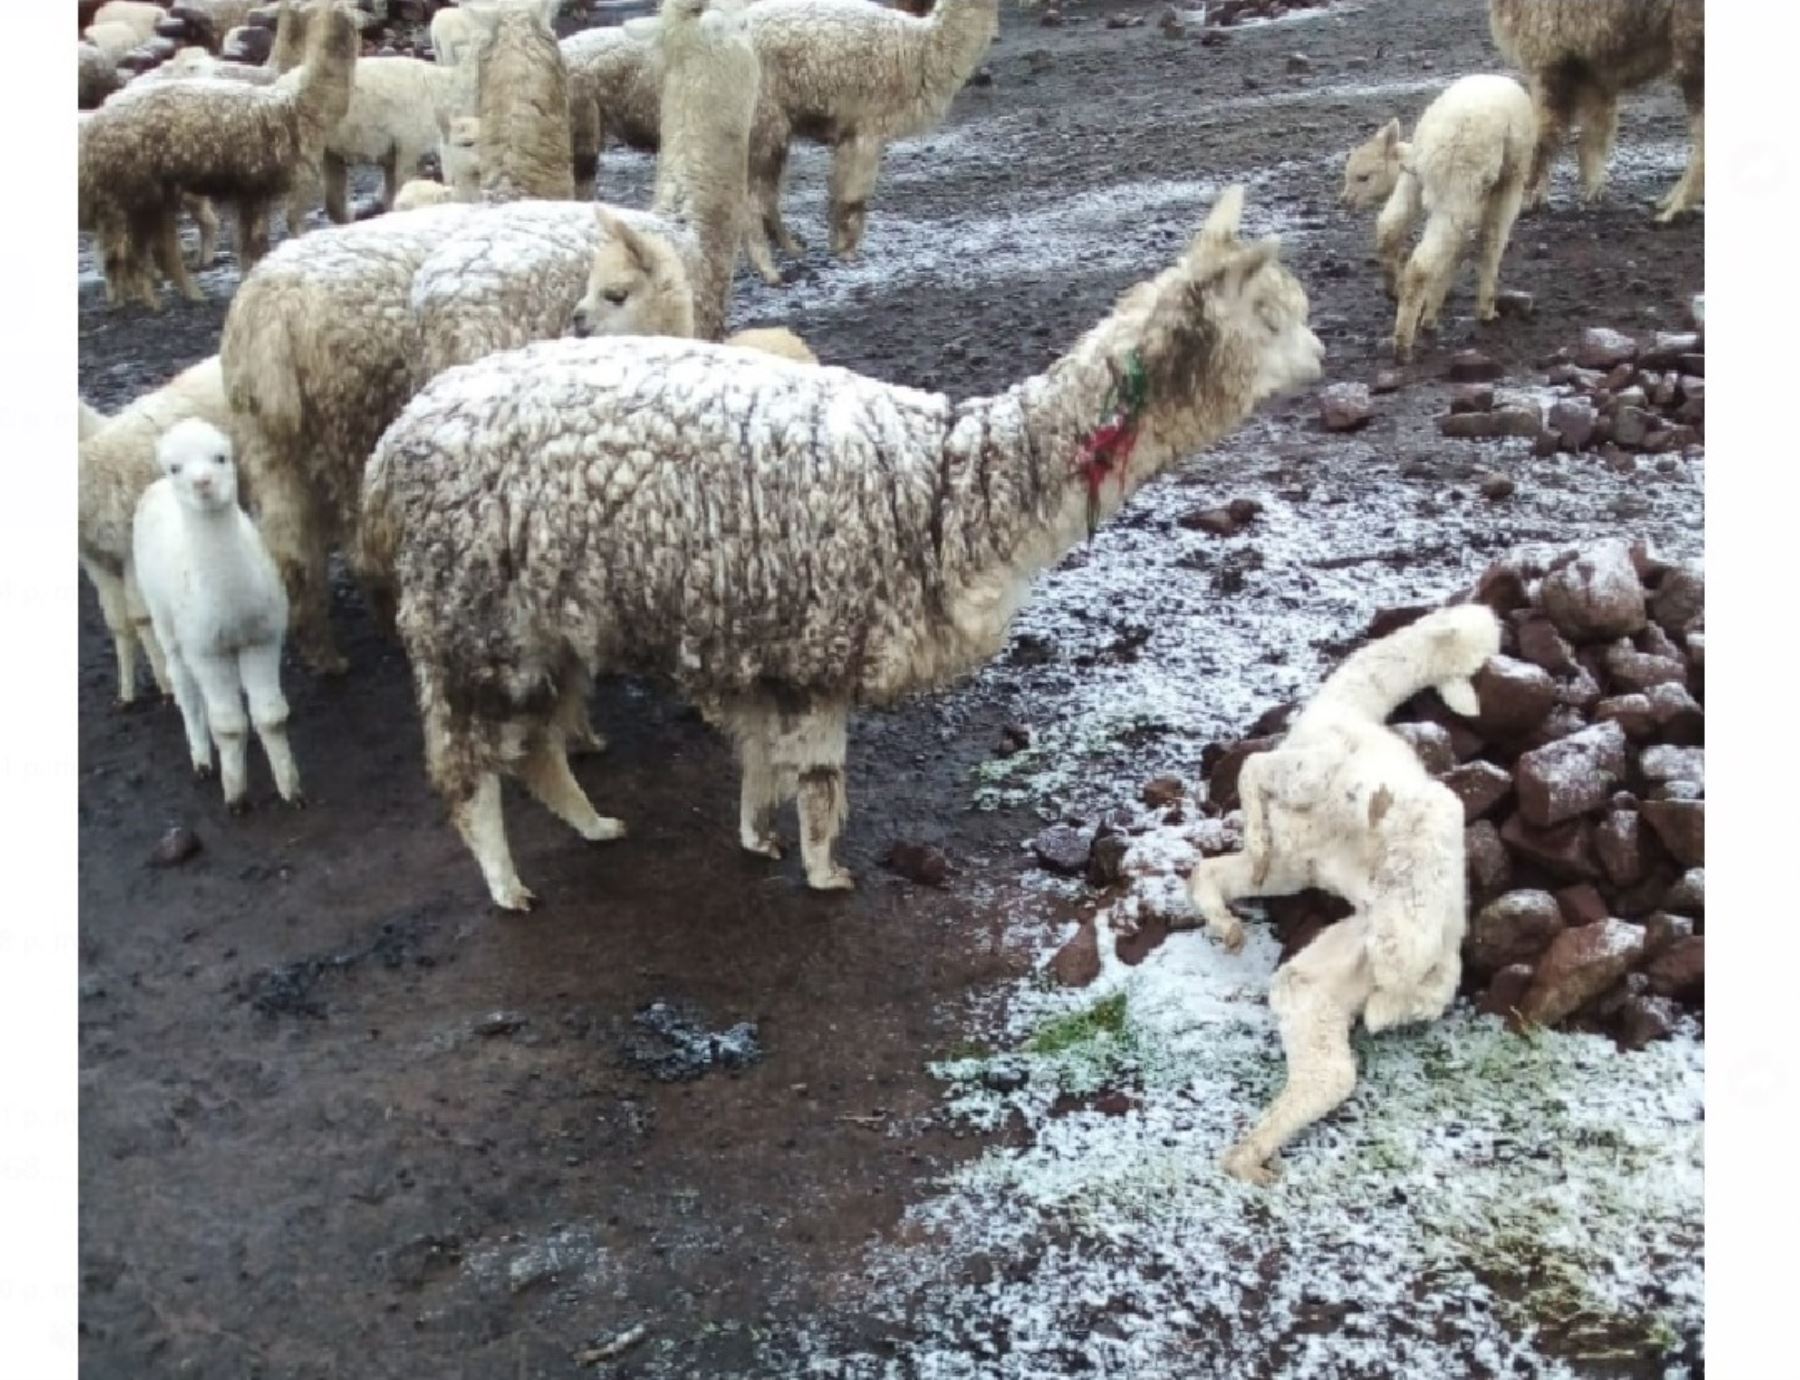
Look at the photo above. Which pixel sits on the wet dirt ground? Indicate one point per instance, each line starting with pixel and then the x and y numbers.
pixel 339 1119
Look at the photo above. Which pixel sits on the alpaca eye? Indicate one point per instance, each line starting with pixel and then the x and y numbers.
pixel 616 296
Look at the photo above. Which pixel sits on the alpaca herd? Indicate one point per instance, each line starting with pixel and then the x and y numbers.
pixel 518 415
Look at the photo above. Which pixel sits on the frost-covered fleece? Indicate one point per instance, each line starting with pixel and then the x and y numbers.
pixel 855 76
pixel 1465 169
pixel 1345 804
pixel 232 140
pixel 777 539
pixel 1581 54
pixel 526 148
pixel 117 462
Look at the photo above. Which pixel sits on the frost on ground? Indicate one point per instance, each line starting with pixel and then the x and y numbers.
pixel 1485 1204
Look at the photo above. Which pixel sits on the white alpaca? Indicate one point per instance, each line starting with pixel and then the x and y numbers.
pixel 218 608
pixel 459 157
pixel 1465 170
pixel 398 107
pixel 1344 804
pixel 422 191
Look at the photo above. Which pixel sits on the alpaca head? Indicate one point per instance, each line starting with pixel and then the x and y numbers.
pixel 637 285
pixel 196 457
pixel 1373 168
pixel 487 17
pixel 1457 643
pixel 459 156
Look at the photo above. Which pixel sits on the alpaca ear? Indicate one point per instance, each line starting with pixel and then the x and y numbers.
pixel 1222 224
pixel 625 237
pixel 1390 135
pixel 550 7
pixel 1246 263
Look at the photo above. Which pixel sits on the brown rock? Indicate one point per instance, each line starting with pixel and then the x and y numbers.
pixel 1612 1001
pixel 1565 851
pixel 1680 825
pixel 1680 596
pixel 1479 785
pixel 1561 722
pixel 1063 848
pixel 1217 522
pixel 1633 713
pixel 1696 650
pixel 1579 691
pixel 1490 869
pixel 1386 381
pixel 1472 397
pixel 1542 645
pixel 1571 776
pixel 1471 366
pixel 1514 695
pixel 1222 782
pixel 1391 620
pixel 1680 971
pixel 1688 895
pixel 1582 904
pixel 1653 641
pixel 1514 928
pixel 1629 669
pixel 1619 845
pixel 1162 791
pixel 1498 486
pixel 1345 406
pixel 1430 744
pixel 1643 897
pixel 1662 931
pixel 1106 859
pixel 175 847
pixel 1644 1020
pixel 1597 595
pixel 1243 510
pixel 1667 347
pixel 1632 427
pixel 918 862
pixel 1513 302
pixel 1664 762
pixel 1579 965
pixel 1077 963
pixel 1502 586
pixel 1505 992
pixel 1467 426
pixel 1600 348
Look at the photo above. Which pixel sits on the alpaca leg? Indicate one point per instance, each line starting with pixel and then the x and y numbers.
pixel 1599 116
pixel 760 792
pixel 854 166
pixel 111 589
pixel 253 231
pixel 807 748
pixel 192 703
pixel 1497 218
pixel 145 633
pixel 1262 867
pixel 1315 998
pixel 545 772
pixel 1690 191
pixel 337 189
pixel 394 168
pixel 259 668
pixel 208 221
pixel 168 256
pixel 758 250
pixel 1424 281
pixel 768 172
pixel 224 695
pixel 294 532
pixel 1553 94
pixel 1394 226
pixel 483 828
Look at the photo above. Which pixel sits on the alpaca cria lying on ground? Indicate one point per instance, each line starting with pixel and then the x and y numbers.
pixel 1581 54
pixel 1465 170
pixel 779 540
pixel 231 140
pixel 117 463
pixel 1344 803
pixel 217 606
pixel 855 76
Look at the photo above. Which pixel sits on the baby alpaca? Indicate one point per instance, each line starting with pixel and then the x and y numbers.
pixel 422 191
pixel 774 340
pixel 217 605
pixel 1345 804
pixel 1465 168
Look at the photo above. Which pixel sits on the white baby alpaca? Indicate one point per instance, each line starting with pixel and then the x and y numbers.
pixel 1344 804
pixel 217 605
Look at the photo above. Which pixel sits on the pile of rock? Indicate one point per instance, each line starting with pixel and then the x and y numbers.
pixel 1583 783
pixel 1609 394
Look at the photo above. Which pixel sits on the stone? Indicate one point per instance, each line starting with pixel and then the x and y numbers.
pixel 1467 426
pixel 1597 595
pixel 1561 722
pixel 1680 970
pixel 1217 522
pixel 1696 312
pixel 1612 1001
pixel 1062 848
pixel 1619 845
pixel 1582 904
pixel 1632 427
pixel 1505 992
pixel 1643 897
pixel 1162 791
pixel 1472 397
pixel 1680 596
pixel 1515 303
pixel 1579 965
pixel 1667 347
pixel 1471 366
pixel 1665 762
pixel 1514 696
pixel 1542 645
pixel 1676 790
pixel 917 862
pixel 1222 780
pixel 1688 895
pixel 1662 931
pixel 1680 826
pixel 1386 381
pixel 1391 620
pixel 1430 744
pixel 1696 649
pixel 1077 963
pixel 1486 859
pixel 1513 928
pixel 1479 785
pixel 1633 713
pixel 1629 669
pixel 1579 691
pixel 1502 586
pixel 1570 776
pixel 1243 510
pixel 1565 851
pixel 1600 348
pixel 1644 1020
pixel 1498 486
pixel 175 847
pixel 1106 859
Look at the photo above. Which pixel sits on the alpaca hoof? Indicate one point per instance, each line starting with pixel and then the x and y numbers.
pixel 1230 937
pixel 1241 1164
pixel 202 770
pixel 837 879
pixel 514 896
pixel 588 744
pixel 238 808
pixel 604 830
pixel 769 847
pixel 296 799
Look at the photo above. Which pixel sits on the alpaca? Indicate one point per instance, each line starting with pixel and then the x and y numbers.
pixel 615 87
pixel 217 605
pixel 453 34
pixel 855 76
pixel 459 157
pixel 779 540
pixel 152 142
pixel 1464 169
pixel 523 103
pixel 421 191
pixel 1581 54
pixel 398 107
pixel 122 25
pixel 774 340
pixel 1344 803
pixel 97 73
pixel 117 463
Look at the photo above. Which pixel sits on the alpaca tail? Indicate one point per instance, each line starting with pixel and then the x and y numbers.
pixel 260 355
pixel 92 419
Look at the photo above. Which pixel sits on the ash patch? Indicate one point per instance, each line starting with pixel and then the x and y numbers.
pixel 671 1044
pixel 293 989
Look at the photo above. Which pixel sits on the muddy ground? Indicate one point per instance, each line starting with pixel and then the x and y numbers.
pixel 339 1119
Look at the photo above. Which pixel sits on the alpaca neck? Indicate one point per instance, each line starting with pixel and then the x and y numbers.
pixel 960 32
pixel 322 87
